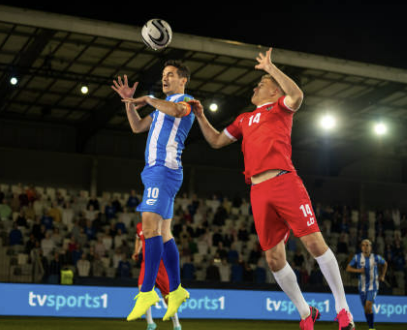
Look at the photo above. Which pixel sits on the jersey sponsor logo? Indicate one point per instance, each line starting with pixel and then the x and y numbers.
pixel 151 201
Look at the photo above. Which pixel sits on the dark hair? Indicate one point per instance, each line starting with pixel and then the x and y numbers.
pixel 182 69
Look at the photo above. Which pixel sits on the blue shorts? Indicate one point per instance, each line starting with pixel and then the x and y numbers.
pixel 368 296
pixel 161 184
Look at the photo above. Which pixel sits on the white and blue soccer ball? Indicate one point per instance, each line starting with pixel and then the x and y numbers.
pixel 156 34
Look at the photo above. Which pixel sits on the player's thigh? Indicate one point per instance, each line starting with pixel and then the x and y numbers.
pixel 270 227
pixel 292 202
pixel 369 307
pixel 152 223
pixel 166 230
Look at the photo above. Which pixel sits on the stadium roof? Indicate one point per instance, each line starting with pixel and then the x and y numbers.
pixel 53 55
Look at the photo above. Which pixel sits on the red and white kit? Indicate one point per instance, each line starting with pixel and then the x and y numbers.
pixel 282 202
pixel 162 282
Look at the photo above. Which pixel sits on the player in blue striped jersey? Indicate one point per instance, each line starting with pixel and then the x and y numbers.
pixel 162 175
pixel 365 264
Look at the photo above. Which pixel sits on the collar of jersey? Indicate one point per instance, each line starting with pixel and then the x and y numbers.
pixel 260 106
pixel 169 96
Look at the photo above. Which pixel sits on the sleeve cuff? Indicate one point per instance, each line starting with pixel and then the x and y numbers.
pixel 288 108
pixel 230 136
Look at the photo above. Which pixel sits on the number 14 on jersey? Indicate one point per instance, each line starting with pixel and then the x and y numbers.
pixel 306 210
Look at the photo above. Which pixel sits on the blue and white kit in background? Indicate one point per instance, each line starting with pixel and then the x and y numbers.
pixel 162 174
pixel 369 281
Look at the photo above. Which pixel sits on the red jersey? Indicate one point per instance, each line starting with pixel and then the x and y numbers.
pixel 266 136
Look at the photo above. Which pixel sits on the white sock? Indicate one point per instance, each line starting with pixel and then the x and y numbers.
pixel 175 320
pixel 149 317
pixel 329 267
pixel 287 281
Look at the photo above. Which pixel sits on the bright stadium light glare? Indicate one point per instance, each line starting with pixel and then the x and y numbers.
pixel 380 129
pixel 14 81
pixel 84 89
pixel 328 122
pixel 213 107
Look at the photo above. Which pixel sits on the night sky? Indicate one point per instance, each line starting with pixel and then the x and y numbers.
pixel 371 33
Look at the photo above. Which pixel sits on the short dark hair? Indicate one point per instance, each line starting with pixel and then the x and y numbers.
pixel 182 69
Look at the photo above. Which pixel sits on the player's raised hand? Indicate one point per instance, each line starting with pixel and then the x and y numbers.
pixel 138 102
pixel 197 108
pixel 264 60
pixel 122 87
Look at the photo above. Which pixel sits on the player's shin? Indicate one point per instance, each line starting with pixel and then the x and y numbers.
pixel 287 281
pixel 330 269
pixel 171 263
pixel 153 255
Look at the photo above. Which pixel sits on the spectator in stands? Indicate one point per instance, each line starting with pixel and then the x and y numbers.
pixel 90 213
pixel 47 245
pixel 56 237
pixel 47 221
pixel 98 269
pixel 67 215
pixel 217 236
pixel 107 240
pixel 255 253
pixel 15 236
pixel 233 254
pixel 21 220
pixel 83 266
pixel 124 268
pixel 94 202
pixel 89 231
pixel 55 213
pixel 54 270
pixel 31 244
pixel 110 211
pixel 132 201
pixel 100 249
pixel 212 272
pixel 243 234
pixel 342 244
pixel 5 210
pixel 220 216
pixel 82 238
pixel 188 269
pixel 117 257
pixel 224 270
pixel 221 251
pixel 260 273
pixel 237 272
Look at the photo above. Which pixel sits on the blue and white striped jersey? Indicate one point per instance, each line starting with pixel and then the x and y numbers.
pixel 370 279
pixel 167 135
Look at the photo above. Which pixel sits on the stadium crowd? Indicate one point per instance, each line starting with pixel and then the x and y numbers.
pixel 45 230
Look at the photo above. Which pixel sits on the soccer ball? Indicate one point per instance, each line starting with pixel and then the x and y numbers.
pixel 156 34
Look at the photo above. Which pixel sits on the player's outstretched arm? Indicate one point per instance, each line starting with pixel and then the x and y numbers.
pixel 215 139
pixel 351 269
pixel 170 108
pixel 137 124
pixel 294 94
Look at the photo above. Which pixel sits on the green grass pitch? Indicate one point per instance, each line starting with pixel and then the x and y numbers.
pixel 41 323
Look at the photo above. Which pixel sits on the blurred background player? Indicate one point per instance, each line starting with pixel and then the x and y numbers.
pixel 162 175
pixel 365 264
pixel 161 282
pixel 279 199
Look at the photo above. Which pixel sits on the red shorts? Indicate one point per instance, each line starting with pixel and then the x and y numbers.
pixel 280 204
pixel 161 282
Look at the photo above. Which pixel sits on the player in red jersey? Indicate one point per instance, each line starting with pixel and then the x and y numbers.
pixel 279 199
pixel 161 282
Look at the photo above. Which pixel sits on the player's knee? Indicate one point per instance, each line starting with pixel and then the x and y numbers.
pixel 368 308
pixel 275 262
pixel 151 232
